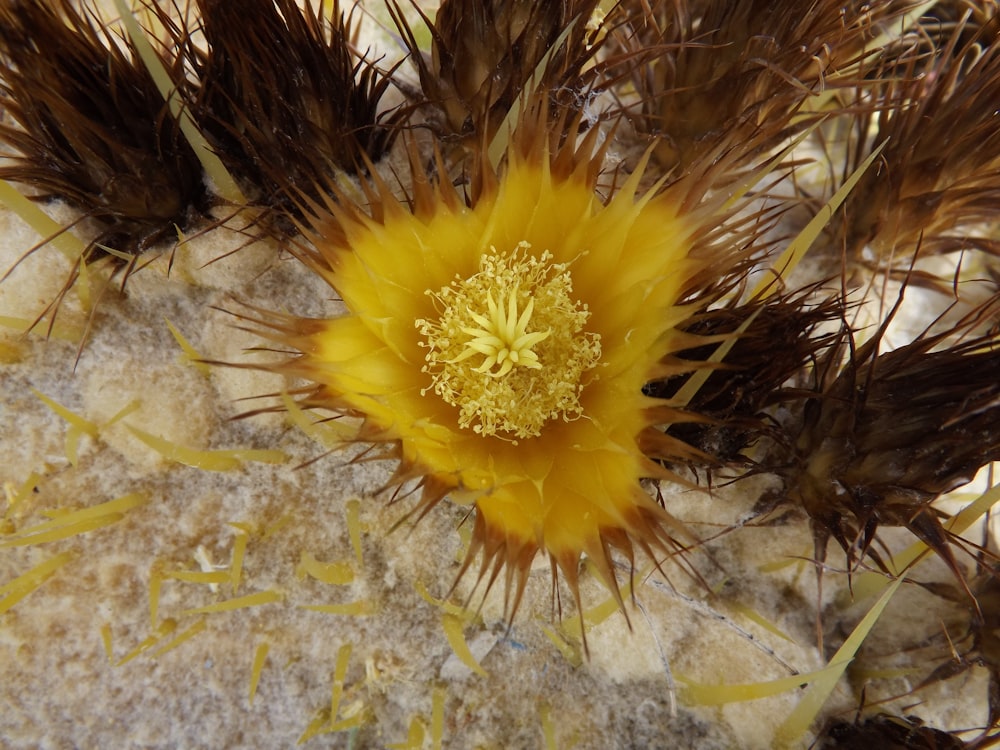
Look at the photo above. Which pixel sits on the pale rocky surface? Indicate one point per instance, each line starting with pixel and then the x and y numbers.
pixel 64 691
pixel 61 688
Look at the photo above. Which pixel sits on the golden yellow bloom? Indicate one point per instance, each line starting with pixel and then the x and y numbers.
pixel 503 348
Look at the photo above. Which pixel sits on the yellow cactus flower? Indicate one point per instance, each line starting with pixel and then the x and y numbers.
pixel 503 347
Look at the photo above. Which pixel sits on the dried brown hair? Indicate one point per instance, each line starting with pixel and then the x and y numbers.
pixel 484 53
pixel 780 337
pixel 887 733
pixel 284 97
pixel 937 182
pixel 890 432
pixel 739 72
pixel 92 128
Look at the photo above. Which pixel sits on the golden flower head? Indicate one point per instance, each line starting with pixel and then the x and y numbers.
pixel 502 343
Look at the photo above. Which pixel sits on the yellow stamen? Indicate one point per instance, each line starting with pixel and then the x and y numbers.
pixel 504 339
pixel 509 349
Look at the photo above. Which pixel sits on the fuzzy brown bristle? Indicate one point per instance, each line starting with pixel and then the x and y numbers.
pixel 774 341
pixel 284 97
pixel 892 432
pixel 937 183
pixel 887 732
pixel 92 128
pixel 484 53
pixel 738 72
pixel 972 19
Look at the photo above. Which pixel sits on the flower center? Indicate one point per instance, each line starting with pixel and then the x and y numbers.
pixel 509 349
